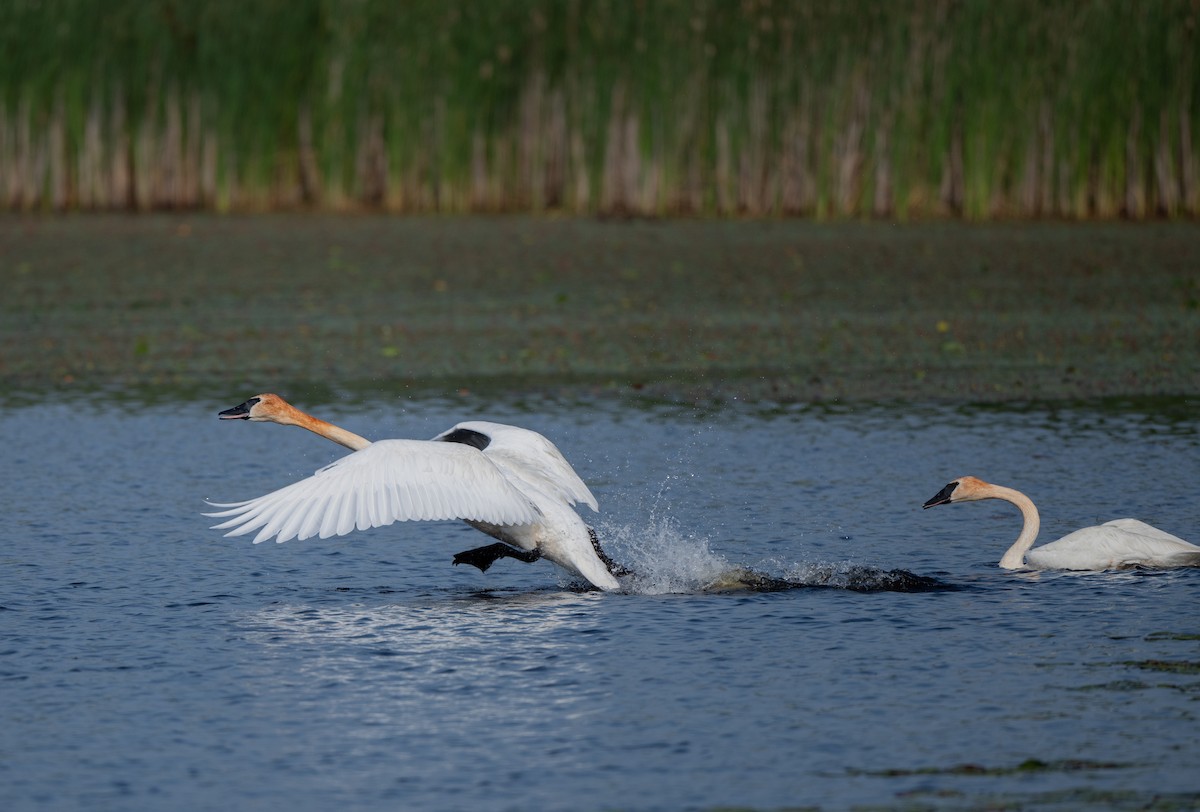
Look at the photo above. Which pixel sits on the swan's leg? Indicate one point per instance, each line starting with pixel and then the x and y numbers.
pixel 616 569
pixel 484 557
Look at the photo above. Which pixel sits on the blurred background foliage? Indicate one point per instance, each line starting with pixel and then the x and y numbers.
pixel 861 108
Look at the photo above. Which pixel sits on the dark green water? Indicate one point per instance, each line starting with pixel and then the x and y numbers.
pixel 684 310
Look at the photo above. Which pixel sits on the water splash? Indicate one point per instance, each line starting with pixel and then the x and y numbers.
pixel 663 559
pixel 861 578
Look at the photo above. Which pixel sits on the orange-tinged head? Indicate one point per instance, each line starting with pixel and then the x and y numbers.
pixel 963 489
pixel 260 408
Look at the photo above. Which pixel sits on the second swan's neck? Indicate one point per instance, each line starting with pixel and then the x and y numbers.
pixel 1014 559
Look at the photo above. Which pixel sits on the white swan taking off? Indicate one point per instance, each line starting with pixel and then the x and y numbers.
pixel 1118 544
pixel 509 482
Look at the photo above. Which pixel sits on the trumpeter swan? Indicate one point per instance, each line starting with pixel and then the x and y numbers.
pixel 508 482
pixel 1117 544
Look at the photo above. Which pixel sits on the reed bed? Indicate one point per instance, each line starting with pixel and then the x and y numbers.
pixel 863 108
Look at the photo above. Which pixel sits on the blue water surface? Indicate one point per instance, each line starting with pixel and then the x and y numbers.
pixel 146 662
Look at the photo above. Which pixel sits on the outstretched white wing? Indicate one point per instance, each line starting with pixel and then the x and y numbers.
pixel 388 481
pixel 529 457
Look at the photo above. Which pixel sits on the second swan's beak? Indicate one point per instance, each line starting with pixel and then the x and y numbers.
pixel 239 412
pixel 942 497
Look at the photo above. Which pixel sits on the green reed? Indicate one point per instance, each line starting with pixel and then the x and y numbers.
pixel 1062 108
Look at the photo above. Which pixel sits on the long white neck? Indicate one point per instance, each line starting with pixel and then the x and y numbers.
pixel 1014 559
pixel 295 417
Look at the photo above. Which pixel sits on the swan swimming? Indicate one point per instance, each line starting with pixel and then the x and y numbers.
pixel 1118 544
pixel 511 483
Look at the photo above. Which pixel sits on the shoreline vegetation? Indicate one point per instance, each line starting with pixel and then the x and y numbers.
pixel 1058 109
pixel 690 311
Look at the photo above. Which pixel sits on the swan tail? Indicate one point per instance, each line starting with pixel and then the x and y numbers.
pixel 598 574
pixel 1186 559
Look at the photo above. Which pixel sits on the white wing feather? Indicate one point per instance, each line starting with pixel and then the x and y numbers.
pixel 388 481
pixel 1143 529
pixel 530 457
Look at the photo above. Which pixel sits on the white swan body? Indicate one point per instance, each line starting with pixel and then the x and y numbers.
pixel 1119 544
pixel 509 482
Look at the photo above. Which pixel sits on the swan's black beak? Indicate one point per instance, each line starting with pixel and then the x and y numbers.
pixel 943 496
pixel 240 412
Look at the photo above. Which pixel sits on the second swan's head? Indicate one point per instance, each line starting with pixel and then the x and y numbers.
pixel 260 408
pixel 963 489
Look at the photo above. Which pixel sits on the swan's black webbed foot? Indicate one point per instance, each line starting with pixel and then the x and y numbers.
pixel 484 557
pixel 616 569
